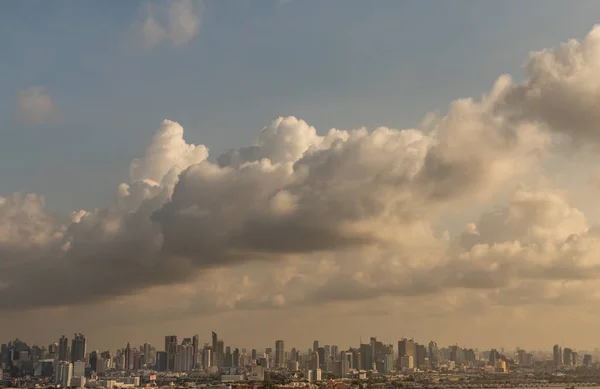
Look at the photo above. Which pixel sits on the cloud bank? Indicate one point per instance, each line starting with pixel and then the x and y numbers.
pixel 298 218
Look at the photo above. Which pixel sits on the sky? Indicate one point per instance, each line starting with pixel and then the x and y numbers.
pixel 300 170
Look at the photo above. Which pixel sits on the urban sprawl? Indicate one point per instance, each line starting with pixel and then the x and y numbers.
pixel 373 364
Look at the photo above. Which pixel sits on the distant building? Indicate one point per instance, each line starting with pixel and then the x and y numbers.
pixel 406 362
pixel 161 361
pixel 63 347
pixel 78 348
pixel 567 357
pixel 64 373
pixel 279 353
pixel 557 355
pixel 170 349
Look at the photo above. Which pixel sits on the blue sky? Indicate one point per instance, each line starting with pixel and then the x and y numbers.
pixel 341 64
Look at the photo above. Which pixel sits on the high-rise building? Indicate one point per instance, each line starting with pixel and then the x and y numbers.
pixel 315 361
pixel 494 356
pixel 236 357
pixel 433 352
pixel 171 349
pixel 335 353
pixel 184 356
pixel 161 361
pixel 78 348
pixel 406 347
pixel 421 355
pixel 406 362
pixel 366 355
pixel 574 358
pixel 327 349
pixel 279 354
pixel 197 351
pixel 228 357
pixel 253 354
pixel 321 352
pixel 128 358
pixel 94 360
pixel 63 349
pixel 206 358
pixel 557 355
pixel 220 354
pixel 64 373
pixel 567 356
pixel 315 346
pixel 214 341
pixel 587 360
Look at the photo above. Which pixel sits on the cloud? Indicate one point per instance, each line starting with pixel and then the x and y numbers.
pixel 178 23
pixel 346 215
pixel 562 90
pixel 35 105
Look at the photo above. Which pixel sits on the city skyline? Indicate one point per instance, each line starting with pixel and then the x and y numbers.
pixel 299 171
pixel 402 345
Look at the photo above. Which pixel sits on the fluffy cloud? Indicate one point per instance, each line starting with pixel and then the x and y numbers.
pixel 344 216
pixel 35 105
pixel 178 23
pixel 562 90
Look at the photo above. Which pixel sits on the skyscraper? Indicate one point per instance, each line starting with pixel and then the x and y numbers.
pixel 220 353
pixel 433 352
pixel 315 346
pixel 214 341
pixel 128 357
pixel 94 360
pixel 64 373
pixel 63 345
pixel 279 353
pixel 406 347
pixel 420 355
pixel 78 348
pixel 236 357
pixel 196 344
pixel 184 356
pixel 314 363
pixel 171 349
pixel 557 355
pixel 206 358
pixel 567 356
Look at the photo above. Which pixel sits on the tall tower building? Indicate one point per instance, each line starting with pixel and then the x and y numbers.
pixel 171 350
pixel 206 358
pixel 314 363
pixel 236 358
pixel 63 346
pixel 94 360
pixel 128 357
pixel 64 373
pixel 196 344
pixel 315 346
pixel 557 355
pixel 214 341
pixel 220 353
pixel 406 347
pixel 567 356
pixel 78 348
pixel 279 353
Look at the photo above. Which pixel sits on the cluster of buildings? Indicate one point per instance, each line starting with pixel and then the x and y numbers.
pixel 69 364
